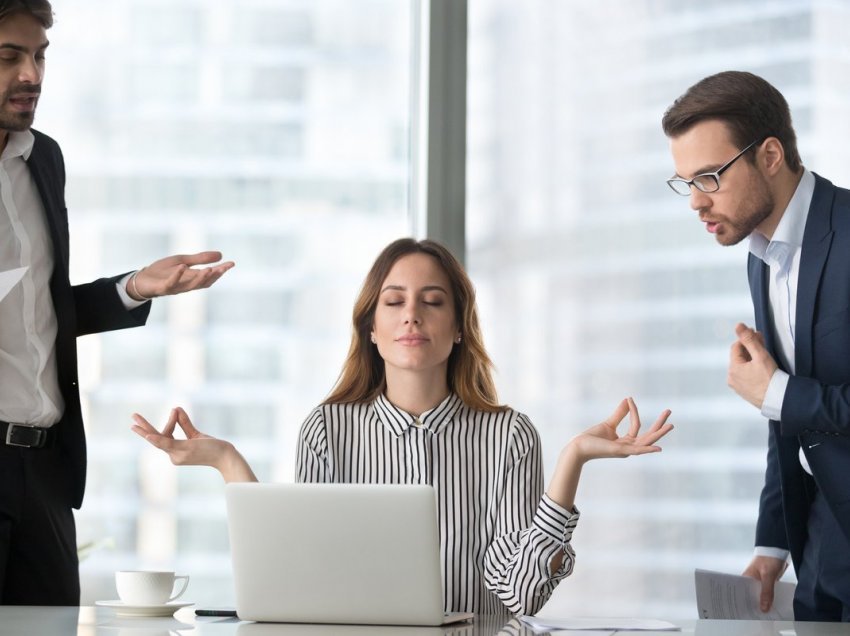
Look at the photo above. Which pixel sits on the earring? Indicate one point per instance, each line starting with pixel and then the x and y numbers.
pixel 374 339
pixel 459 338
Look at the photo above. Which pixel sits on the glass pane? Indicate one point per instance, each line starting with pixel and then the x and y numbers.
pixel 596 282
pixel 276 132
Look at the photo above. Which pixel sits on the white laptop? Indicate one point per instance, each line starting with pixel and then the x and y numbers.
pixel 336 553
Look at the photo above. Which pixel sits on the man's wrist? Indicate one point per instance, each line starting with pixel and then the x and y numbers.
pixel 767 551
pixel 126 299
pixel 771 406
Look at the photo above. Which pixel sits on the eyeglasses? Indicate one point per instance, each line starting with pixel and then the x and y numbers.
pixel 706 182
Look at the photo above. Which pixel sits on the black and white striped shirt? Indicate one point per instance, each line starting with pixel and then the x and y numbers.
pixel 498 530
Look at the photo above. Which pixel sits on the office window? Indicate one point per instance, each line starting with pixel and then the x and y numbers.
pixel 597 283
pixel 276 132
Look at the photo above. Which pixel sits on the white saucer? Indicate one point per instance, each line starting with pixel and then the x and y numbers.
pixel 122 609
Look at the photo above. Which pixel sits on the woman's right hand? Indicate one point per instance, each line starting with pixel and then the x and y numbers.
pixel 198 449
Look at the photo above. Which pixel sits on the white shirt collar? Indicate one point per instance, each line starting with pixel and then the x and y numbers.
pixel 789 233
pixel 18 144
pixel 398 421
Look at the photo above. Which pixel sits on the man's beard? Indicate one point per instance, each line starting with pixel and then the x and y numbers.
pixel 752 211
pixel 18 121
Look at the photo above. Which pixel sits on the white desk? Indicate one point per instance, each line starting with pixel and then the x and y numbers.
pixel 90 621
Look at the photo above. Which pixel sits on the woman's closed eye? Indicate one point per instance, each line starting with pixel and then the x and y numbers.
pixel 393 300
pixel 430 299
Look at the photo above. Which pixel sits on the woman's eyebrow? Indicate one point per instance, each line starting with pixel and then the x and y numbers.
pixel 403 288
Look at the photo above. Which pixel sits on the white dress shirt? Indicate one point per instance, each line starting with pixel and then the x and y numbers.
pixel 29 391
pixel 29 385
pixel 498 531
pixel 782 255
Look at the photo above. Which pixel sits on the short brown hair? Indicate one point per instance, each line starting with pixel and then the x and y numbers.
pixel 751 107
pixel 39 9
pixel 363 376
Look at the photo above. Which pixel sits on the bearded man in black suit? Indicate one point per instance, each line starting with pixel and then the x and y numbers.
pixel 42 442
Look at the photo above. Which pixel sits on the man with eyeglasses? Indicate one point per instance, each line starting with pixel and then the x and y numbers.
pixel 735 155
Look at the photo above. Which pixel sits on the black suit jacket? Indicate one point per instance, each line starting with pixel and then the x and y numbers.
pixel 816 408
pixel 80 309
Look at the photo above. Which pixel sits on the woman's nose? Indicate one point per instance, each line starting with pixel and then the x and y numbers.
pixel 412 314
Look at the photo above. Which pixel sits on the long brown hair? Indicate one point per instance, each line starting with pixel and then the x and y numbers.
pixel 469 367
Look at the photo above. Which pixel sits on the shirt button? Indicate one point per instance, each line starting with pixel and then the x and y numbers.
pixel 417 421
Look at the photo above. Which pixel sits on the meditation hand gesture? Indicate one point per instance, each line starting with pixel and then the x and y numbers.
pixel 603 440
pixel 198 449
pixel 600 441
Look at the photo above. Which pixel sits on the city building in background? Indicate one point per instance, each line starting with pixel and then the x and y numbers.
pixel 597 282
pixel 274 131
pixel 278 131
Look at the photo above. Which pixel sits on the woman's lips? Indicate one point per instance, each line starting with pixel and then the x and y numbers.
pixel 412 340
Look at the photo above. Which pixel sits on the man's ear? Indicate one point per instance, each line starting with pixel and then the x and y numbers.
pixel 772 156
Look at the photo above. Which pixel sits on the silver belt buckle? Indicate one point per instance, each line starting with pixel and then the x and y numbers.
pixel 10 427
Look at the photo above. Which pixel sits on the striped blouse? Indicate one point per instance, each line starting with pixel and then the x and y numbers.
pixel 498 530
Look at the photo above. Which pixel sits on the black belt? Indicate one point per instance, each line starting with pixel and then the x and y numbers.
pixel 25 435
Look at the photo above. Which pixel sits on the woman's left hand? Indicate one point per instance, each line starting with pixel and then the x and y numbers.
pixel 603 440
pixel 600 441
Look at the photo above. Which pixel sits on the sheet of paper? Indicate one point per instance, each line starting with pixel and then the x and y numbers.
pixel 729 596
pixel 598 625
pixel 9 279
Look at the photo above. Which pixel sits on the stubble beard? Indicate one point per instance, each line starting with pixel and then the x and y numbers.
pixel 17 121
pixel 751 212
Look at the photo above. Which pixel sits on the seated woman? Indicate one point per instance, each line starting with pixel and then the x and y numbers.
pixel 415 403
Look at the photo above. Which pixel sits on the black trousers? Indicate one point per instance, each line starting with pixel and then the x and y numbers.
pixel 823 582
pixel 38 542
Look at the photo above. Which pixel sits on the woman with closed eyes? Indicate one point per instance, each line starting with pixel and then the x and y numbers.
pixel 415 403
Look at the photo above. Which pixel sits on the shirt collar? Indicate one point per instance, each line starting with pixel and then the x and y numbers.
pixel 397 421
pixel 18 144
pixel 788 236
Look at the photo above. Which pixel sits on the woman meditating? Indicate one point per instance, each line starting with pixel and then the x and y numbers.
pixel 416 404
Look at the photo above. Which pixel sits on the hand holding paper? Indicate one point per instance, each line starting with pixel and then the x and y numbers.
pixel 728 596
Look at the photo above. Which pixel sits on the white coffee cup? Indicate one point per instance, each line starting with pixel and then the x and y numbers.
pixel 138 587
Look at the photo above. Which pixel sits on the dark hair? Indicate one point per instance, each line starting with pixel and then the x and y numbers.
pixel 39 9
pixel 363 375
pixel 750 106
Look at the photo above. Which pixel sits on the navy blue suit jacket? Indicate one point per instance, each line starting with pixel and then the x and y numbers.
pixel 80 309
pixel 816 408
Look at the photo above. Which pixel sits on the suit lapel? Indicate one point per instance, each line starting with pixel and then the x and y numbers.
pixel 759 274
pixel 817 240
pixel 53 208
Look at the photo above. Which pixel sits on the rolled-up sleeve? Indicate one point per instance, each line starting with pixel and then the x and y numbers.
pixel 532 531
